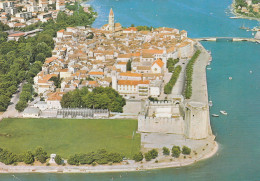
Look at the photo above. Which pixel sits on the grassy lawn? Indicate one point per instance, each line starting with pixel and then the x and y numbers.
pixel 68 136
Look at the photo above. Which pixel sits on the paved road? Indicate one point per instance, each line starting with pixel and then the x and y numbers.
pixel 199 79
pixel 11 111
pixel 179 85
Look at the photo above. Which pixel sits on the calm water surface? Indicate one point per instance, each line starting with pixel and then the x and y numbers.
pixel 238 133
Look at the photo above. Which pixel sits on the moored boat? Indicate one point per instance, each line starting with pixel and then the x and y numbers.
pixel 214 115
pixel 223 112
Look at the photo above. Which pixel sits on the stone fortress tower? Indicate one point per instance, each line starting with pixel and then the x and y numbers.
pixel 111 21
pixel 190 119
pixel 196 120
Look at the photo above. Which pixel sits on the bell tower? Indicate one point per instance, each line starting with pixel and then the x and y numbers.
pixel 111 21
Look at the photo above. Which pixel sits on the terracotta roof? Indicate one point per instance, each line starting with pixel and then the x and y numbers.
pixel 61 31
pixel 121 63
pixel 152 51
pixel 17 35
pixel 132 82
pixel 158 62
pixel 130 29
pixel 51 59
pixel 130 74
pixel 57 96
pixel 96 73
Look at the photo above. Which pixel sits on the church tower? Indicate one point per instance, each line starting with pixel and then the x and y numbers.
pixel 111 21
pixel 114 79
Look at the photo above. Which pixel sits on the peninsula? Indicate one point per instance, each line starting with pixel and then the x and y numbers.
pixel 246 9
pixel 155 76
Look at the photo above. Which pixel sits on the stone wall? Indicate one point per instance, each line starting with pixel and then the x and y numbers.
pixel 160 125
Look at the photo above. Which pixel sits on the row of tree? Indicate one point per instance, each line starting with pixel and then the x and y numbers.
pixel 171 64
pixel 175 75
pixel 189 73
pixel 99 157
pixel 176 151
pixel 28 157
pixel 99 98
pixel 25 96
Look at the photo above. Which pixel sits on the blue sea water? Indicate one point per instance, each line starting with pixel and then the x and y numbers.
pixel 238 133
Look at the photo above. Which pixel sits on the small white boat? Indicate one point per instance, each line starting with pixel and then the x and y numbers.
pixel 209 68
pixel 210 103
pixel 208 63
pixel 230 78
pixel 251 71
pixel 223 112
pixel 214 115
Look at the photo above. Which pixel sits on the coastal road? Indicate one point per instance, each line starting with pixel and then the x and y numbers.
pixel 199 79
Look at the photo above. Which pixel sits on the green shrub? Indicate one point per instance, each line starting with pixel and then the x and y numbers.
pixel 148 156
pixel 28 157
pixel 186 150
pixel 41 155
pixel 58 159
pixel 73 160
pixel 176 151
pixel 154 153
pixel 166 151
pixel 138 157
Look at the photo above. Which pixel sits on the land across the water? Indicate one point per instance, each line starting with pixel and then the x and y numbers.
pixel 237 15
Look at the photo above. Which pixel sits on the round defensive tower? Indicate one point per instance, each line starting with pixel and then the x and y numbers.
pixel 196 120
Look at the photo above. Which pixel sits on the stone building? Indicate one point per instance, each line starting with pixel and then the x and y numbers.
pixel 190 119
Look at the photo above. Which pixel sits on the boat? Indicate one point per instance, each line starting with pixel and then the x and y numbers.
pixel 210 103
pixel 223 112
pixel 209 68
pixel 244 28
pixel 230 78
pixel 214 115
pixel 251 71
pixel 208 63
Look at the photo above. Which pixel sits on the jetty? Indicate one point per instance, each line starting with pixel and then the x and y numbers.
pixel 228 39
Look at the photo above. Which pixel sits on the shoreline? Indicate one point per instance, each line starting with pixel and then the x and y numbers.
pixel 240 16
pixel 106 168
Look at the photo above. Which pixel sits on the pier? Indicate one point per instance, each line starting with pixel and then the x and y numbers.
pixel 227 39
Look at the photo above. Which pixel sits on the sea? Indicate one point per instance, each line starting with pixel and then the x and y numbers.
pixel 238 133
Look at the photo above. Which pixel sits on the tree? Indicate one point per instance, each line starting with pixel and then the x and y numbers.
pixel 129 65
pixel 138 157
pixel 176 151
pixel 186 150
pixel 166 151
pixel 41 155
pixel 58 159
pixel 73 160
pixel 20 106
pixel 148 156
pixel 115 157
pixel 28 157
pixel 154 153
pixel 40 57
